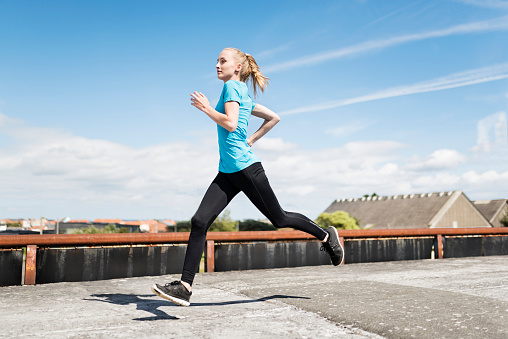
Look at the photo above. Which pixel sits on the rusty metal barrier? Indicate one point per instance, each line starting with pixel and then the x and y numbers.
pixel 31 242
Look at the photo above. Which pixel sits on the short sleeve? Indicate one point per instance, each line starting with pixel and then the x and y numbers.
pixel 231 92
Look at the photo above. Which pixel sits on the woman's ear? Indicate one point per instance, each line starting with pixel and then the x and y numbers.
pixel 238 67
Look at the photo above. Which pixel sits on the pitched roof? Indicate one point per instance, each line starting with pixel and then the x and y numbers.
pixel 409 210
pixel 106 221
pixel 492 209
pixel 84 221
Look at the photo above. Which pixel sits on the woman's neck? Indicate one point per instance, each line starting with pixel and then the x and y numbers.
pixel 233 77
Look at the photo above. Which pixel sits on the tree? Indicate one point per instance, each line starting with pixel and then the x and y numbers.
pixel 224 223
pixel 255 225
pixel 504 220
pixel 14 224
pixel 372 195
pixel 109 228
pixel 181 226
pixel 90 230
pixel 338 219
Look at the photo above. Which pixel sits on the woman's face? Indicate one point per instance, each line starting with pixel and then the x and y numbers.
pixel 227 67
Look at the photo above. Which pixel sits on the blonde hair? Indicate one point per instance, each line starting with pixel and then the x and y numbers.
pixel 250 70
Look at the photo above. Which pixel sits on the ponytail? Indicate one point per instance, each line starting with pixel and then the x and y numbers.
pixel 250 70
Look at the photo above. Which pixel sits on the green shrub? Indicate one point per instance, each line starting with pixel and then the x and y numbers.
pixel 224 223
pixel 255 225
pixel 110 228
pixel 504 220
pixel 338 219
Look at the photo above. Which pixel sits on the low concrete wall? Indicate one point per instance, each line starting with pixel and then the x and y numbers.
pixel 376 250
pixel 475 246
pixel 261 255
pixel 11 266
pixel 92 257
pixel 100 263
pixel 264 255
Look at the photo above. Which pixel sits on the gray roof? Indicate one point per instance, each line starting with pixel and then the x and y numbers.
pixel 490 208
pixel 406 211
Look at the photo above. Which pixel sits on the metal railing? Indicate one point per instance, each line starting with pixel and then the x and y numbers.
pixel 31 242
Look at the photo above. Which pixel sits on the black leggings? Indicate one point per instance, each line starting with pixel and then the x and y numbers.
pixel 254 183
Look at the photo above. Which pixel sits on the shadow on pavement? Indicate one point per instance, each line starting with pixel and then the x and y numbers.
pixel 223 303
pixel 152 306
pixel 147 305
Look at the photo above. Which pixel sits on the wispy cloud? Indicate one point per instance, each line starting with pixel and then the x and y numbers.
pixel 474 27
pixel 271 52
pixel 389 15
pixel 349 128
pixel 492 133
pixel 470 77
pixel 441 159
pixel 495 4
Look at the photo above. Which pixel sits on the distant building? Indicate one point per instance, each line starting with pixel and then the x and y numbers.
pixel 427 210
pixel 108 221
pixel 493 210
pixel 73 226
pixel 156 226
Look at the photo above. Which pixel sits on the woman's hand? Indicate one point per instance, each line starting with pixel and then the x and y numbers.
pixel 200 101
pixel 229 120
pixel 271 119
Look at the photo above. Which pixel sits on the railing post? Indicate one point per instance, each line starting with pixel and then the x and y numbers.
pixel 341 239
pixel 30 263
pixel 210 256
pixel 440 246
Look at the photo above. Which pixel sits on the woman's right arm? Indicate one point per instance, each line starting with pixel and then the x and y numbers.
pixel 271 119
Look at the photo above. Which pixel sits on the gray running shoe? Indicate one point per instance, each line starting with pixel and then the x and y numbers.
pixel 174 292
pixel 333 246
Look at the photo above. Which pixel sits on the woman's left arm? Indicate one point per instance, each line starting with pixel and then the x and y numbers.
pixel 271 119
pixel 229 120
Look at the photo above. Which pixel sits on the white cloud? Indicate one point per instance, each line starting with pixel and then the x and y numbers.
pixel 60 174
pixel 492 134
pixel 499 24
pixel 300 190
pixel 273 144
pixel 439 160
pixel 50 165
pixel 434 183
pixel 466 78
pixel 7 121
pixel 349 128
pixel 489 184
pixel 309 180
pixel 485 178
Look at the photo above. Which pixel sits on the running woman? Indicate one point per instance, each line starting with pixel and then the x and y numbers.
pixel 240 170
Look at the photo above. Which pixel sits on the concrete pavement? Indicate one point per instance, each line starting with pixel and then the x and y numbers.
pixel 450 298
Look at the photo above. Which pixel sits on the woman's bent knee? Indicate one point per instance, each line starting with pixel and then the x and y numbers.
pixel 281 221
pixel 198 225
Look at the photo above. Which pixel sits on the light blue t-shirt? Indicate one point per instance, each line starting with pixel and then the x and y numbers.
pixel 235 153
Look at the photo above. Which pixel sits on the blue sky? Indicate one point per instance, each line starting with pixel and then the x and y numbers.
pixel 390 97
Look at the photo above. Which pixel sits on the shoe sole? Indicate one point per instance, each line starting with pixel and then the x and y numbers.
pixel 341 247
pixel 174 300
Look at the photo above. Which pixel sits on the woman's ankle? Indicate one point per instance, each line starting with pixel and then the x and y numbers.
pixel 187 286
pixel 326 238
